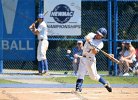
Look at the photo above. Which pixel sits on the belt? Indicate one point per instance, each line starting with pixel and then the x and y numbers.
pixel 41 39
pixel 85 56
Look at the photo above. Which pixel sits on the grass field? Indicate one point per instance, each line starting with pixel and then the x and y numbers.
pixel 112 80
pixel 69 79
pixel 3 81
pixel 72 80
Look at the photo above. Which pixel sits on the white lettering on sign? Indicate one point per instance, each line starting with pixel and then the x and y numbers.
pixel 5 44
pixel 16 45
pixel 20 46
pixel 62 14
pixel 13 45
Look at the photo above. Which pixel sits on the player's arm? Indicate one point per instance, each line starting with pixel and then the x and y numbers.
pixel 33 29
pixel 74 50
pixel 36 32
pixel 89 38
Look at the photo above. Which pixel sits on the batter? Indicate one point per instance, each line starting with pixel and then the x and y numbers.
pixel 88 61
pixel 43 43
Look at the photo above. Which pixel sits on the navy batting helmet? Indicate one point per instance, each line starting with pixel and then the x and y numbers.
pixel 102 32
pixel 40 15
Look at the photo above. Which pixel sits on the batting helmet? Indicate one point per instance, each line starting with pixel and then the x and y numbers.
pixel 102 32
pixel 40 16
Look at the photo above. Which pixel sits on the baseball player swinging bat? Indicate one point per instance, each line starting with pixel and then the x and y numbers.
pixel 107 55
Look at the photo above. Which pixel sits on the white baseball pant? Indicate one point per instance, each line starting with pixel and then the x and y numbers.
pixel 88 64
pixel 41 49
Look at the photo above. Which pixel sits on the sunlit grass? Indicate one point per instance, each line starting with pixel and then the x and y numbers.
pixel 3 81
pixel 112 80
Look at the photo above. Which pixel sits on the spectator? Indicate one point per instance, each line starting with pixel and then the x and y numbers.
pixel 127 57
pixel 76 51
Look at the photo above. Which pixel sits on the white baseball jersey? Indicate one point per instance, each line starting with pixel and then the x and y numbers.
pixel 42 28
pixel 43 42
pixel 88 63
pixel 87 47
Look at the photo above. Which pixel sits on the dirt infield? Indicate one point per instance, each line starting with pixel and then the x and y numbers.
pixel 67 94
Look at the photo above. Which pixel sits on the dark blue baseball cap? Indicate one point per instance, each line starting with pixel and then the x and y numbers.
pixel 40 15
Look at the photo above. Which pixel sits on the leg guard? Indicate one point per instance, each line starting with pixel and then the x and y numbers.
pixel 101 80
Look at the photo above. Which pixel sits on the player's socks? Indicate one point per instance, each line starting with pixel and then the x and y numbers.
pixel 101 80
pixel 40 66
pixel 106 84
pixel 79 84
pixel 45 65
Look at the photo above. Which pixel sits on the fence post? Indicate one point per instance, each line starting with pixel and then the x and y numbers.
pixel 109 34
pixel 41 6
pixel 1 48
pixel 1 66
pixel 115 33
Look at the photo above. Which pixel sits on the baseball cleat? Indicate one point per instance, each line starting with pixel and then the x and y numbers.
pixel 45 74
pixel 108 87
pixel 39 74
pixel 78 89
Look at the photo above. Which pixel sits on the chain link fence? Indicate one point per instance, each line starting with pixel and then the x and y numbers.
pixel 127 26
pixel 128 19
pixel 94 14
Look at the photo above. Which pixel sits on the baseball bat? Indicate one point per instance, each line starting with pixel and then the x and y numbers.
pixel 107 55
